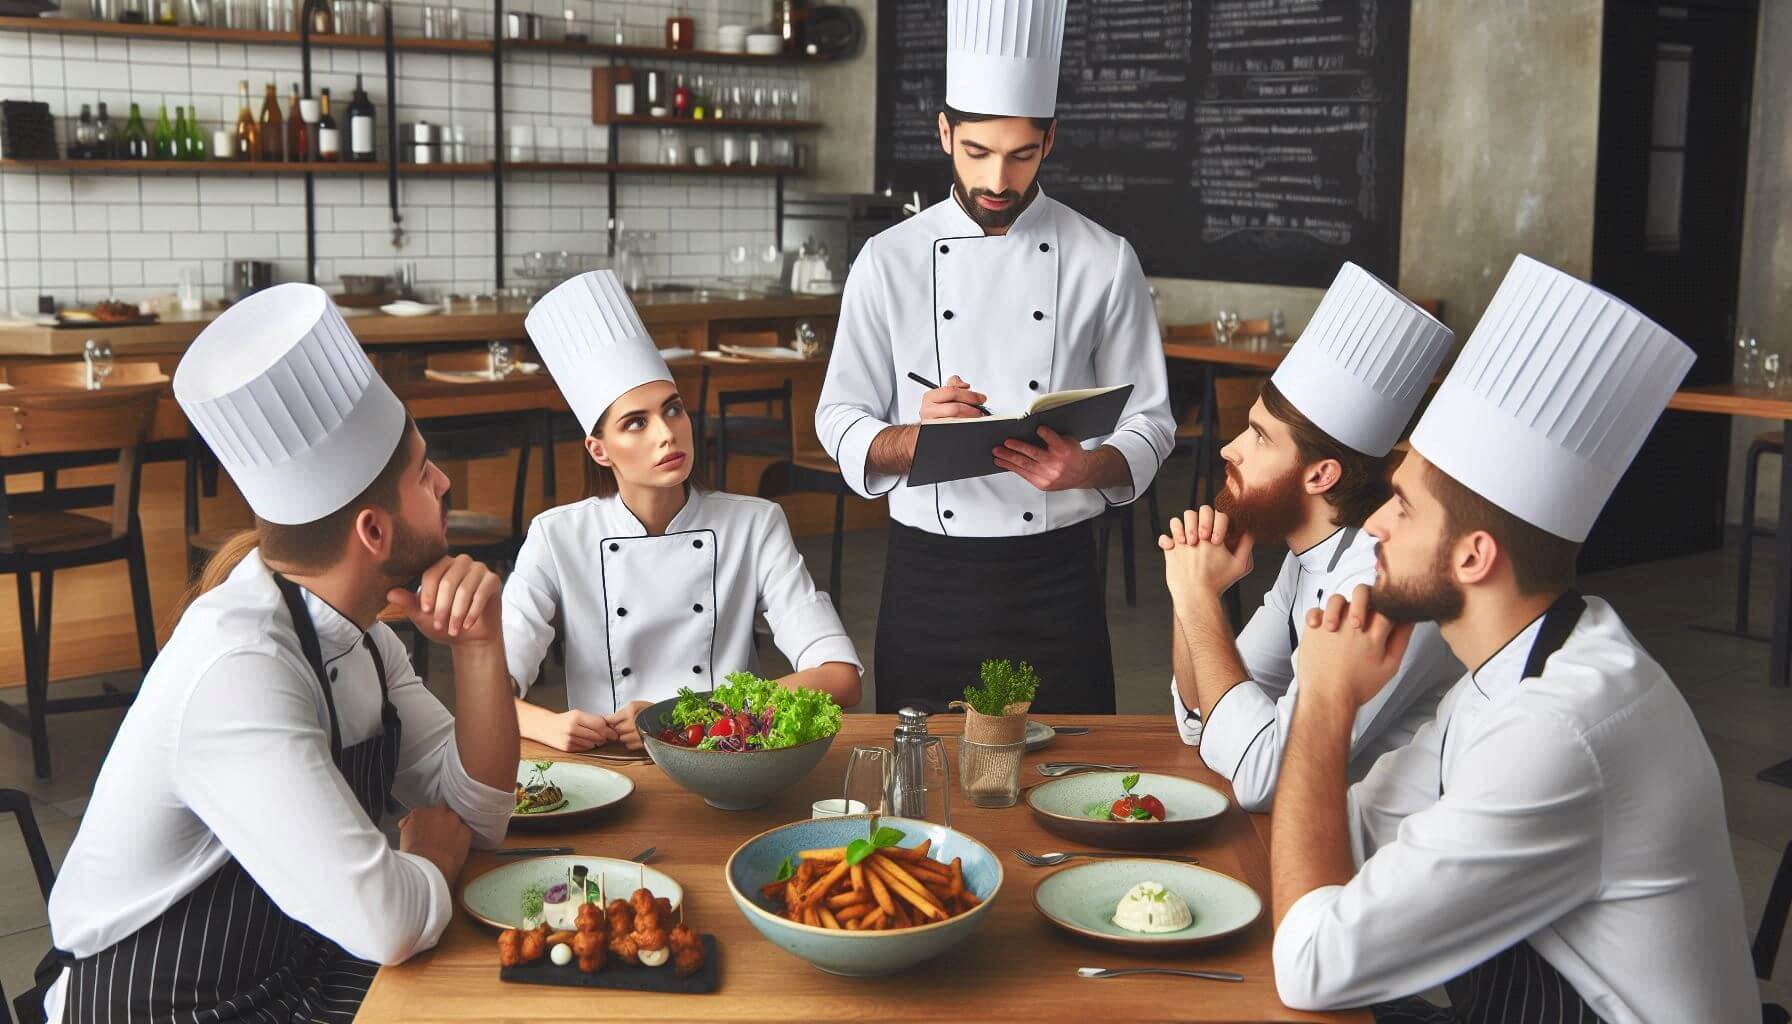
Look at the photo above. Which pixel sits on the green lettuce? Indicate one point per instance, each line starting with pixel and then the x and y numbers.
pixel 801 715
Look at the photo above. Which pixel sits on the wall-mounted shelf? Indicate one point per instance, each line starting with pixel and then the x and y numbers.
pixel 217 34
pixel 234 167
pixel 723 125
pixel 656 52
pixel 738 170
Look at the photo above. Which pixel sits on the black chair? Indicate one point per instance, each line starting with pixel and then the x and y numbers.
pixel 739 434
pixel 29 1006
pixel 45 531
pixel 813 473
pixel 1773 928
pixel 1769 443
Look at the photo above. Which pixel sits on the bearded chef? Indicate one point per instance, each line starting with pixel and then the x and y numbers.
pixel 998 294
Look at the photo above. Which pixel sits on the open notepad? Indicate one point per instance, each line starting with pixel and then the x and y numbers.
pixel 961 449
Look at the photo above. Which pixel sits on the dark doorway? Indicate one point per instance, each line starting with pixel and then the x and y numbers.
pixel 1667 237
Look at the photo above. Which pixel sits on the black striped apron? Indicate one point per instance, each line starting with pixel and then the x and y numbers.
pixel 1518 986
pixel 225 951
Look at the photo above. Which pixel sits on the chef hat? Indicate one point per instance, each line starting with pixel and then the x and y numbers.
pixel 1002 56
pixel 1362 365
pixel 594 343
pixel 289 404
pixel 1551 398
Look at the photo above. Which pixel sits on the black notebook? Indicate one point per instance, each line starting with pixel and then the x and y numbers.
pixel 962 449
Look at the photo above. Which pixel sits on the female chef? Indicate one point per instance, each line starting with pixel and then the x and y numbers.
pixel 653 580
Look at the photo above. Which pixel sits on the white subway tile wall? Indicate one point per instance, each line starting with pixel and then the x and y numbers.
pixel 84 237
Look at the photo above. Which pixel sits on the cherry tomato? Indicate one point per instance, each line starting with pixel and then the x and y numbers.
pixel 1153 806
pixel 722 727
pixel 670 735
pixel 1122 808
pixel 693 735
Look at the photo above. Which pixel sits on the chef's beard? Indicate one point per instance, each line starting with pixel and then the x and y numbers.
pixel 414 552
pixel 1432 597
pixel 1268 513
pixel 990 220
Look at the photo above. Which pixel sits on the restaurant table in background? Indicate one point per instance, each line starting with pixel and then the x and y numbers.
pixel 1017 967
pixel 1194 345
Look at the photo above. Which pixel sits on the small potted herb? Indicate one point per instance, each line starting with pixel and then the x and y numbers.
pixel 995 709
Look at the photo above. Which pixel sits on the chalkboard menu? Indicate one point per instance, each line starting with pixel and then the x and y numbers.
pixel 1239 140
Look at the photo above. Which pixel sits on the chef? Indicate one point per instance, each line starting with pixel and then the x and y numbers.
pixel 1552 846
pixel 1309 468
pixel 231 862
pixel 999 294
pixel 654 580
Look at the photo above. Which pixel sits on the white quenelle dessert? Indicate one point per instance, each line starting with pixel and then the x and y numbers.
pixel 1150 908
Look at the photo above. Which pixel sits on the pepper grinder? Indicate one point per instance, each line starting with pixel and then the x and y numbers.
pixel 920 784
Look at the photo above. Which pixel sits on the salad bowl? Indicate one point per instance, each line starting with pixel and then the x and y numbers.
pixel 731 779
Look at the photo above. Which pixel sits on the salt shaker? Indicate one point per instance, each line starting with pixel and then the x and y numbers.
pixel 920 784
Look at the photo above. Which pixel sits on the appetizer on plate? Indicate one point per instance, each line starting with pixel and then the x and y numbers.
pixel 749 713
pixel 1151 909
pixel 636 931
pixel 1130 806
pixel 870 885
pixel 539 795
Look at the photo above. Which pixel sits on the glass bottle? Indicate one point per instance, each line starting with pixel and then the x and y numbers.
pixel 360 125
pixel 177 141
pixel 790 18
pixel 81 146
pixel 298 137
pixel 329 137
pixel 323 23
pixel 196 145
pixel 270 136
pixel 164 135
pixel 167 12
pixel 681 98
pixel 243 145
pixel 137 145
pixel 681 31
pixel 105 138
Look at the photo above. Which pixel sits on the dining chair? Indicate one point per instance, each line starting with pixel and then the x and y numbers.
pixel 812 472
pixel 29 1005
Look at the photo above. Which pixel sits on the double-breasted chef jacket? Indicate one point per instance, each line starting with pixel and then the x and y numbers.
pixel 645 615
pixel 1057 303
pixel 226 756
pixel 1244 733
pixel 1577 810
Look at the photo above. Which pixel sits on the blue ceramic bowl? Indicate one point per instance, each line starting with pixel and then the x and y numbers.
pixel 859 954
pixel 728 781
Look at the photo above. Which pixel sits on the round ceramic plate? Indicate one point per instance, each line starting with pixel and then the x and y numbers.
pixel 1075 807
pixel 1039 734
pixel 496 897
pixel 588 789
pixel 1081 900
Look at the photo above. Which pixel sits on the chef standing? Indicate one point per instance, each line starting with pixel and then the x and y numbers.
pixel 1552 846
pixel 230 864
pixel 1000 294
pixel 653 580
pixel 1308 469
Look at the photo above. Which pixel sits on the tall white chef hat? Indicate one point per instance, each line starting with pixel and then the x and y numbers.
pixel 289 403
pixel 1362 365
pixel 594 343
pixel 1002 56
pixel 1551 398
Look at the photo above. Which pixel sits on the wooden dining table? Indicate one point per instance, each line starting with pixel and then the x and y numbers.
pixel 1017 966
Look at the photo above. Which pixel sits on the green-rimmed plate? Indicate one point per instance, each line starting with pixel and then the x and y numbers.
pixel 496 897
pixel 587 788
pixel 1067 807
pixel 1081 900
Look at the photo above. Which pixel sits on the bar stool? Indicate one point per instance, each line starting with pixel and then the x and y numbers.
pixel 42 532
pixel 1769 442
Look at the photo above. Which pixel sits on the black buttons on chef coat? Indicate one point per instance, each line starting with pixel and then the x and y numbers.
pixel 947 513
pixel 1028 516
pixel 1045 247
pixel 332 673
pixel 697 608
pixel 947 314
pixel 945 249
pixel 1032 385
pixel 696 670
pixel 696 543
pixel 620 612
pixel 1037 315
pixel 625 673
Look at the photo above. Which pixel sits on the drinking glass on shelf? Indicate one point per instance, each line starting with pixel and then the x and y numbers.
pixel 737 262
pixel 738 94
pixel 671 147
pixel 498 353
pixel 868 779
pixel 1770 371
pixel 800 107
pixel 347 14
pixel 771 263
pixel 547 143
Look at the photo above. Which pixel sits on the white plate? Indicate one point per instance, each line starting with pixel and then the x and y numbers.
pixel 588 789
pixel 409 309
pixel 496 897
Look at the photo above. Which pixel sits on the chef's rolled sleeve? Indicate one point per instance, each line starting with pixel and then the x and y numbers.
pixel 1131 352
pixel 858 398
pixel 1238 741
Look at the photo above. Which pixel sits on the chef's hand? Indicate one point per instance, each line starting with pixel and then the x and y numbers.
pixel 1202 555
pixel 1062 465
pixel 623 723
pixel 574 731
pixel 953 401
pixel 437 835
pixel 1349 651
pixel 459 603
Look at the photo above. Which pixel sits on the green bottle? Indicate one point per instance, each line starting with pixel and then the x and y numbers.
pixel 178 144
pixel 195 146
pixel 136 140
pixel 164 136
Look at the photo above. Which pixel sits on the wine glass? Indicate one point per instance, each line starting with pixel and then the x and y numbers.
pixel 1225 322
pixel 806 342
pixel 99 362
pixel 771 263
pixel 868 780
pixel 499 354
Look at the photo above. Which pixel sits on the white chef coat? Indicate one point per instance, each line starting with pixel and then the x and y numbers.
pixel 1057 303
pixel 1243 736
pixel 645 615
pixel 226 753
pixel 1579 810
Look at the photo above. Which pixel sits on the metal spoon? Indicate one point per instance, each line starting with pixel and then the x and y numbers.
pixel 1121 972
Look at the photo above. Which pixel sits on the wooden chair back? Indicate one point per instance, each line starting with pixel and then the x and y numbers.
pixel 752 339
pixel 1189 332
pixel 35 424
pixel 73 375
pixel 1235 396
pixel 466 361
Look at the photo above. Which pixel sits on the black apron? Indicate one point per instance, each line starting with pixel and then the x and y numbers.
pixel 225 951
pixel 1517 986
pixel 951 603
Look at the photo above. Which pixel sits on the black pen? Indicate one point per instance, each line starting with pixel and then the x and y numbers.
pixel 931 386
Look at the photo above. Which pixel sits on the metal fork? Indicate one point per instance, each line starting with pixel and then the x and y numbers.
pixel 1052 860
pixel 1053 769
pixel 1121 972
pixel 645 855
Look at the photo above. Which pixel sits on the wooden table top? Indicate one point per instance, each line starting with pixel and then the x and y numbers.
pixel 1729 400
pixel 1255 352
pixel 1017 967
pixel 176 330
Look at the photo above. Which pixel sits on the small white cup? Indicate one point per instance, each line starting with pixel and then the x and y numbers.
pixel 731 38
pixel 836 808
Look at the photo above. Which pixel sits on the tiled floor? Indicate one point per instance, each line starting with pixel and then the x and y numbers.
pixel 1748 725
